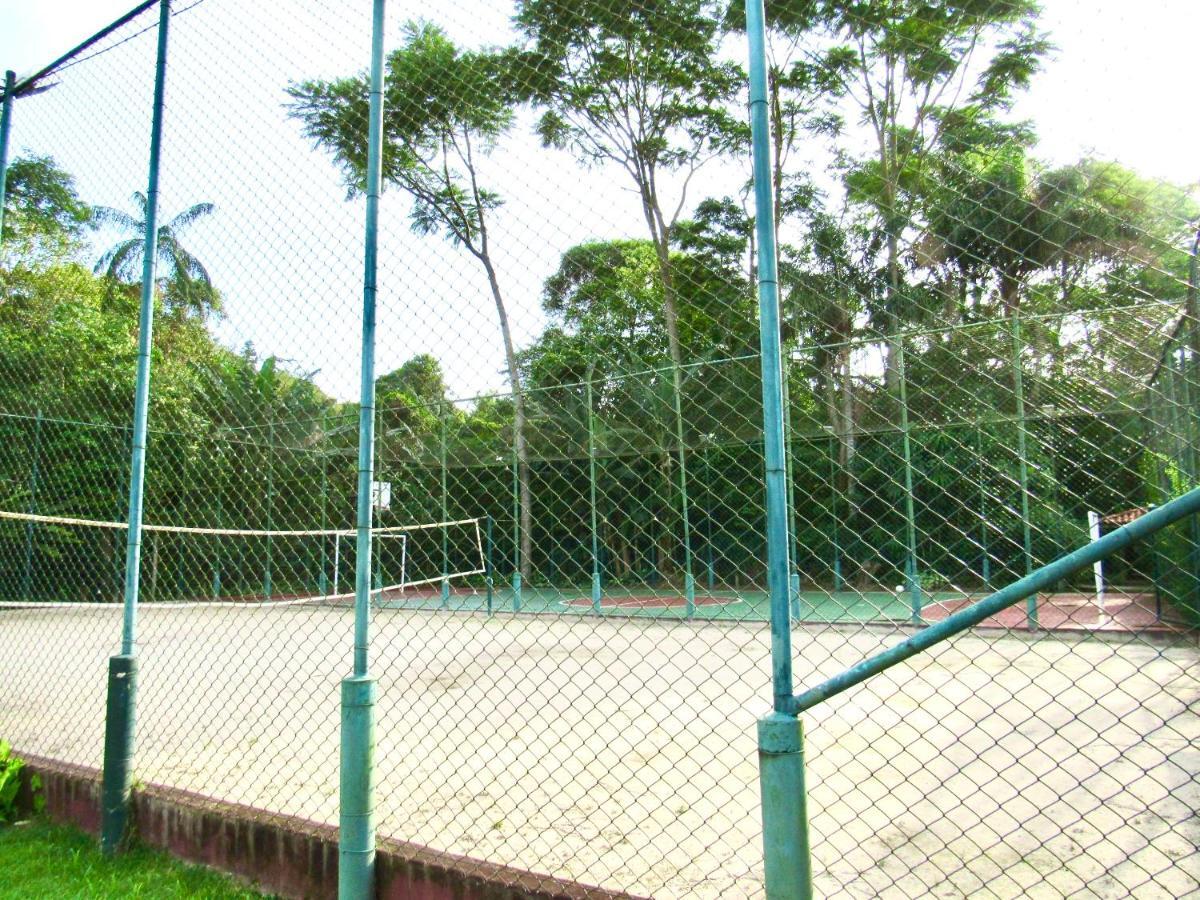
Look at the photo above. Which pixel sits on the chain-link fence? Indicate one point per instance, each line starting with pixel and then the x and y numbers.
pixel 988 361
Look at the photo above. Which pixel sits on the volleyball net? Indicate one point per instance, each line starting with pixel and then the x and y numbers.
pixel 51 561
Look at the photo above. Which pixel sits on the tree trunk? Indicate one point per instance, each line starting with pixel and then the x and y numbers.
pixel 665 563
pixel 1010 298
pixel 891 373
pixel 671 320
pixel 525 492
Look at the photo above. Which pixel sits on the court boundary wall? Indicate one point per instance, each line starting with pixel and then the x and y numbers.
pixel 284 855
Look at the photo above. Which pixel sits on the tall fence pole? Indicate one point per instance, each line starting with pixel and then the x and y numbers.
pixel 591 423
pixel 1188 367
pixel 216 578
pixel 516 483
pixel 689 578
pixel 10 79
pixel 789 451
pixel 986 567
pixel 27 572
pixel 323 576
pixel 710 568
pixel 787 868
pixel 1031 615
pixel 445 516
pixel 270 500
pixel 834 535
pixel 122 668
pixel 356 835
pixel 912 576
pixel 490 564
pixel 1188 431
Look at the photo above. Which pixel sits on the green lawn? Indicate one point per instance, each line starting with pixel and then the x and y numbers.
pixel 43 860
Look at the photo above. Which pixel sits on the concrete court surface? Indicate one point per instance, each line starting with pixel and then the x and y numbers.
pixel 622 753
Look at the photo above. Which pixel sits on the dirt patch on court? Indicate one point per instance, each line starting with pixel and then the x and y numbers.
pixel 1121 612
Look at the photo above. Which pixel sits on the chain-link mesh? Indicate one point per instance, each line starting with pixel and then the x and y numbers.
pixel 990 360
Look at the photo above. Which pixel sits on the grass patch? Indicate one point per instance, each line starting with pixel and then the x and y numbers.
pixel 40 859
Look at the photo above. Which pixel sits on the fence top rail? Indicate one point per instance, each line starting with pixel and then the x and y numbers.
pixel 29 83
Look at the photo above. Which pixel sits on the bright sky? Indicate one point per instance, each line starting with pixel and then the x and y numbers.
pixel 284 243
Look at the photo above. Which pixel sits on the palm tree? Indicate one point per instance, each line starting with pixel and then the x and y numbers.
pixel 187 287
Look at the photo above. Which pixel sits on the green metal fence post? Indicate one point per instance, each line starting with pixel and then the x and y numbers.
pixel 789 451
pixel 377 558
pixel 490 563
pixel 835 536
pixel 1155 571
pixel 1190 465
pixel 270 499
pixel 216 580
pixel 323 578
pixel 1188 364
pixel 10 78
pixel 709 561
pixel 689 579
pixel 986 568
pixel 591 423
pixel 27 574
pixel 1031 614
pixel 516 575
pixel 356 831
pixel 180 563
pixel 122 670
pixel 912 577
pixel 787 866
pixel 121 509
pixel 445 518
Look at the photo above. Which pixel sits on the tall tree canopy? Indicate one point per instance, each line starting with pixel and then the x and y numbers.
pixel 445 108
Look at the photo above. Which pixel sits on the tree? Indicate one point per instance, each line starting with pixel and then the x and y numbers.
pixel 605 303
pixel 445 108
pixel 411 397
pixel 642 87
pixel 42 209
pixel 187 288
pixel 918 72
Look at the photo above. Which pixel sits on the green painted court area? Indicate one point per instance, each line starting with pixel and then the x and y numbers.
pixel 1123 611
pixel 815 606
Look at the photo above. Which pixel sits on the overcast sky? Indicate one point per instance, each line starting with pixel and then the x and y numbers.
pixel 284 243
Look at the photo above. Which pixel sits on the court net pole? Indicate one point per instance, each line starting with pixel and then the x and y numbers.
pixel 356 835
pixel 591 425
pixel 122 668
pixel 787 866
